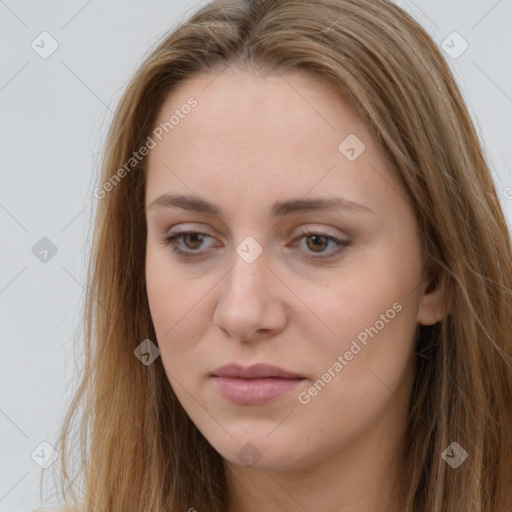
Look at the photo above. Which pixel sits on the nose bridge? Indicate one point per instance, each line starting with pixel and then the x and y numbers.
pixel 247 301
pixel 249 274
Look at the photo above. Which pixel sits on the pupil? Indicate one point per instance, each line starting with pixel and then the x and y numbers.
pixel 316 238
pixel 196 237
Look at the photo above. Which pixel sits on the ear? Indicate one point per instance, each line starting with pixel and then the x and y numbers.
pixel 432 307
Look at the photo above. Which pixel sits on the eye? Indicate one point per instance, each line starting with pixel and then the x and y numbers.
pixel 194 238
pixel 315 242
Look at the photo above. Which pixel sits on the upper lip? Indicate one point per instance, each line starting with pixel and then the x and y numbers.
pixel 255 371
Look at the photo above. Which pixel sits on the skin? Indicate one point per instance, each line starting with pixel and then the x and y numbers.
pixel 253 140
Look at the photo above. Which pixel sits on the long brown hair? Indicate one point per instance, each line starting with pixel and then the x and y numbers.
pixel 138 449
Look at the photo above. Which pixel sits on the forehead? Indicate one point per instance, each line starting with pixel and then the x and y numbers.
pixel 261 136
pixel 244 103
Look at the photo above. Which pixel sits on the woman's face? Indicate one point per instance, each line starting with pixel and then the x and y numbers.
pixel 337 308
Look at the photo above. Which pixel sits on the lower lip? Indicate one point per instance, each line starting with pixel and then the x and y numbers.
pixel 254 391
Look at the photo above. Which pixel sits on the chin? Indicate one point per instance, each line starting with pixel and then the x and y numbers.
pixel 260 452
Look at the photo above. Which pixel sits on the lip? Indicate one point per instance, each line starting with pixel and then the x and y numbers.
pixel 254 385
pixel 254 371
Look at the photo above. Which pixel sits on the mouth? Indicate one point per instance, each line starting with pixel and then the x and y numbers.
pixel 254 371
pixel 256 384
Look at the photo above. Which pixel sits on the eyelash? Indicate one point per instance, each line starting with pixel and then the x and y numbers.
pixel 172 240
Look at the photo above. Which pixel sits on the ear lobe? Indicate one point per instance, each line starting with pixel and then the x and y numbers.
pixel 432 307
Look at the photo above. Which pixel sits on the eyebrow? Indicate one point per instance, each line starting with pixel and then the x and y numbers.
pixel 279 209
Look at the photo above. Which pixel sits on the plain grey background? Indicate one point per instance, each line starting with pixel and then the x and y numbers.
pixel 55 110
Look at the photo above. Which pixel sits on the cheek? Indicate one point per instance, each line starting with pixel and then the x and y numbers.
pixel 363 372
pixel 168 296
pixel 369 319
pixel 177 306
pixel 162 296
pixel 362 298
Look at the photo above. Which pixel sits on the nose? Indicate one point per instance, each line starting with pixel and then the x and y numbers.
pixel 249 304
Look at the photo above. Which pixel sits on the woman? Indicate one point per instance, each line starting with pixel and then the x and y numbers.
pixel 301 277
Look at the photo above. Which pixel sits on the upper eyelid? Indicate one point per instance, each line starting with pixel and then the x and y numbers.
pixel 303 231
